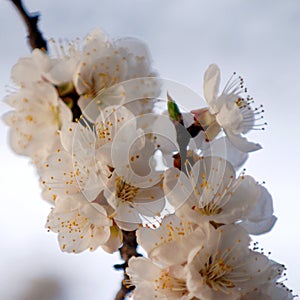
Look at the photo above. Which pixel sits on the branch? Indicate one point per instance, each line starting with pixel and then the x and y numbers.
pixel 35 37
pixel 183 134
pixel 36 40
pixel 127 251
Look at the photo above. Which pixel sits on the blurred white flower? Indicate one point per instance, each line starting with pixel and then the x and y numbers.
pixel 57 69
pixel 31 69
pixel 104 63
pixel 37 116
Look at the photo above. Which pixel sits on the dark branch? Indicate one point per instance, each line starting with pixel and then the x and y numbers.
pixel 35 37
pixel 183 138
pixel 128 250
pixel 36 40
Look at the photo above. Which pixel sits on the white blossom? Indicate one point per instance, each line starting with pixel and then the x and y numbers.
pixel 110 171
pixel 34 123
pixel 105 63
pixel 31 69
pixel 210 192
pixel 223 267
pixel 174 235
pixel 155 282
pixel 229 110
pixel 79 225
pixel 92 164
pixel 66 174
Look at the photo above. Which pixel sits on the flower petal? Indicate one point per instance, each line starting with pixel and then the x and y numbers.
pixel 261 218
pixel 177 187
pixel 114 241
pixel 222 147
pixel 211 86
pixel 242 143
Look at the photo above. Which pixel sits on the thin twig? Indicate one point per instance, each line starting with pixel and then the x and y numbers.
pixel 36 40
pixel 128 250
pixel 35 37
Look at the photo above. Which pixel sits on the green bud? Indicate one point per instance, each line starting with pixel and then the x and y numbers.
pixel 173 110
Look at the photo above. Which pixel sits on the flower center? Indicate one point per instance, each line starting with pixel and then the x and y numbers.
pixel 103 131
pixel 209 209
pixel 124 191
pixel 214 272
pixel 171 284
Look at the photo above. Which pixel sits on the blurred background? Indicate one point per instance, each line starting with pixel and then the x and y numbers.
pixel 260 40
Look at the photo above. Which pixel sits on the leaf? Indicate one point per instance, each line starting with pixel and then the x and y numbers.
pixel 173 110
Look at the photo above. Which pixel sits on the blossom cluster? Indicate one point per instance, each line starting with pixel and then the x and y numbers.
pixel 115 153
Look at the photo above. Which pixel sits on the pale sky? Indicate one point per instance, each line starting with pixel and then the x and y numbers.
pixel 260 40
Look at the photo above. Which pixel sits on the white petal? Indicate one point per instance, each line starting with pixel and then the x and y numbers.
pixel 65 113
pixel 242 143
pixel 128 226
pixel 134 46
pixel 264 206
pixel 242 199
pixel 67 135
pixel 259 227
pixel 115 240
pixel 162 131
pixel 127 217
pixel 31 69
pixel 176 252
pixel 177 187
pixel 150 202
pixel 96 37
pixel 230 117
pixel 218 172
pixel 149 238
pixel 222 147
pixel 261 219
pixel 58 176
pixel 138 265
pixel 115 122
pixel 63 70
pixel 73 220
pixel 145 290
pixel 90 105
pixel 211 85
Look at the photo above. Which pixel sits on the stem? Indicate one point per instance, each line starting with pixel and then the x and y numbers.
pixel 183 138
pixel 35 37
pixel 128 250
pixel 36 40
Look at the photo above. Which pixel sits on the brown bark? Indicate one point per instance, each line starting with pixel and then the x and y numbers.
pixel 128 250
pixel 35 37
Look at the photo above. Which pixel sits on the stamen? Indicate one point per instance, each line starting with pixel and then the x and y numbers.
pixel 124 191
